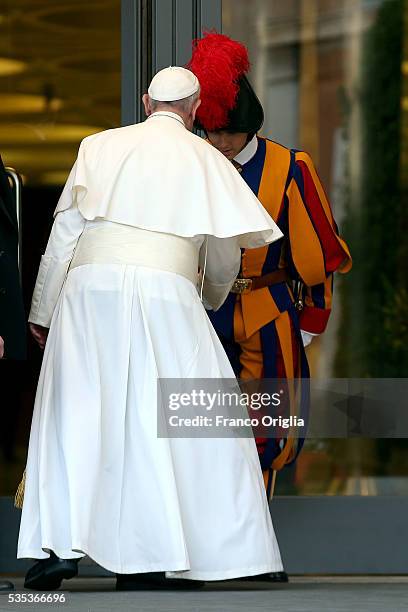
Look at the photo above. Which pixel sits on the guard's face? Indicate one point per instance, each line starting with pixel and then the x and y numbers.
pixel 229 143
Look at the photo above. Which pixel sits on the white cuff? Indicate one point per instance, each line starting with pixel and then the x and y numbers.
pixel 50 279
pixel 307 337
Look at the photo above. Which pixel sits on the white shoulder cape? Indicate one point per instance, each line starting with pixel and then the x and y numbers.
pixel 159 176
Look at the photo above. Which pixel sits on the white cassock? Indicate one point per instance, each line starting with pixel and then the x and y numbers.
pixel 117 286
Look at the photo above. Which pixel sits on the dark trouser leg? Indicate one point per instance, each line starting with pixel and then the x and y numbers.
pixel 154 580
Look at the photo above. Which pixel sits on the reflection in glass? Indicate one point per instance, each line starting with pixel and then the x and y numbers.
pixel 59 82
pixel 332 77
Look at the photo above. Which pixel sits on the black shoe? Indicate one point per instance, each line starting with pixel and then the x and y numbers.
pixel 182 584
pixel 154 580
pixel 271 577
pixel 5 585
pixel 47 574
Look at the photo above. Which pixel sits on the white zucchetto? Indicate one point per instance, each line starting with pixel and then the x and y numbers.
pixel 173 83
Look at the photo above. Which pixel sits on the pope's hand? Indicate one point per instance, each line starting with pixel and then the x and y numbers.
pixel 39 334
pixel 1 347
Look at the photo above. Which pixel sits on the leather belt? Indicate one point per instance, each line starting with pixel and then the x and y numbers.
pixel 245 285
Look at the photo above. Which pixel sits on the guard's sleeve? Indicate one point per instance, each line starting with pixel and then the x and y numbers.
pixel 317 302
pixel 317 250
pixel 68 226
pixel 219 263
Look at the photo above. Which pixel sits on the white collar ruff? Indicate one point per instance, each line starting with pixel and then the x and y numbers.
pixel 247 152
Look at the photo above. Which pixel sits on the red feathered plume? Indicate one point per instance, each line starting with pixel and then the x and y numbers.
pixel 218 62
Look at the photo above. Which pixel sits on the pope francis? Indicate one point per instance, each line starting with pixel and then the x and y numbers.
pixel 119 303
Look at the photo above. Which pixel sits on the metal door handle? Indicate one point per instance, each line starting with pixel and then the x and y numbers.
pixel 17 189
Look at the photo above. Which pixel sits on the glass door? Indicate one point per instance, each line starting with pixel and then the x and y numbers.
pixel 332 77
pixel 60 80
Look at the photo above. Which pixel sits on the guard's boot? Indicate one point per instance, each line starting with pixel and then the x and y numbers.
pixel 271 577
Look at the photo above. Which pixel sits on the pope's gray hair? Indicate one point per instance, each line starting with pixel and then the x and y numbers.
pixel 185 105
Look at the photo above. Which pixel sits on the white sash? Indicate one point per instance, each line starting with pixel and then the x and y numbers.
pixel 114 243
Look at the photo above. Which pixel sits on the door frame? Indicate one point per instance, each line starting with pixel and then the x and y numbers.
pixel 317 534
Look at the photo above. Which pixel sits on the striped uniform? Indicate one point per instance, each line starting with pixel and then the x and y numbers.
pixel 260 330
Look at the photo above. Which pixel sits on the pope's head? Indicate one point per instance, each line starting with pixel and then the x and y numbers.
pixel 174 89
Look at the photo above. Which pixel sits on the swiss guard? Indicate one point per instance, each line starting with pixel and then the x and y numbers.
pixel 282 297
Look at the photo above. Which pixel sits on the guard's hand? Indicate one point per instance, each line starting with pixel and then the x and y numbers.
pixel 1 347
pixel 39 334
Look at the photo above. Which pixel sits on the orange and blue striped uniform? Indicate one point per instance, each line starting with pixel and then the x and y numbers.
pixel 260 330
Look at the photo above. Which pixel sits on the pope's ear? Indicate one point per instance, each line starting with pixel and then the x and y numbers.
pixel 146 104
pixel 195 107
